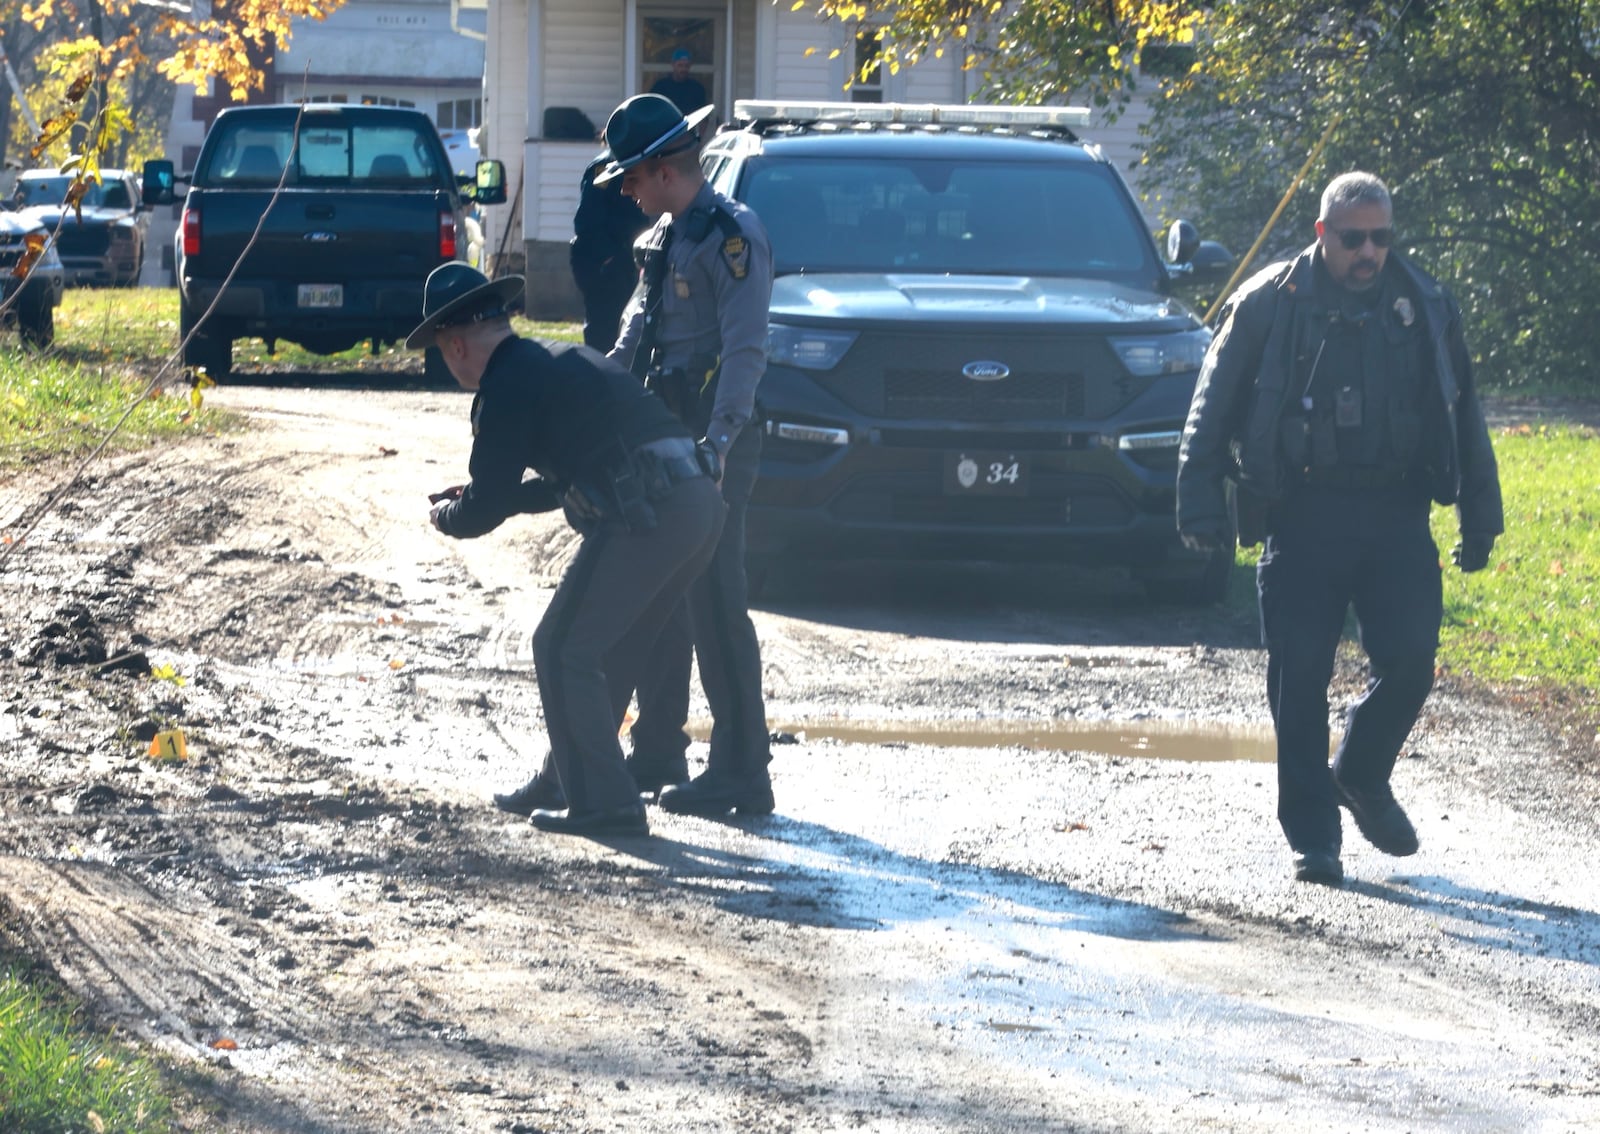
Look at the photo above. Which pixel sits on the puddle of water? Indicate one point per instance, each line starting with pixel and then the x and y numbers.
pixel 1157 740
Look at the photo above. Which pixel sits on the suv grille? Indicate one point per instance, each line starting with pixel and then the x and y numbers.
pixel 939 393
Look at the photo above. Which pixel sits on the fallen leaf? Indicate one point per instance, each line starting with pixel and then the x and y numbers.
pixel 224 1045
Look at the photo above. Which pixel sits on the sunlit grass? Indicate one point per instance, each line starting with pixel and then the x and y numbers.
pixel 1532 616
pixel 140 326
pixel 50 405
pixel 56 1076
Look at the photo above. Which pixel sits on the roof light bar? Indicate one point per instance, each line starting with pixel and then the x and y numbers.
pixel 773 110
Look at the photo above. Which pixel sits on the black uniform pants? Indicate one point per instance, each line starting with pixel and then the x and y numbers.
pixel 714 625
pixel 612 601
pixel 1328 550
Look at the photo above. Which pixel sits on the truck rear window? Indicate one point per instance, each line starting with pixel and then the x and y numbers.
pixel 354 154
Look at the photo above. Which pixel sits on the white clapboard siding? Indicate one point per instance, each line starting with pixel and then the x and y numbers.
pixel 797 75
pixel 582 64
pixel 930 80
pixel 560 169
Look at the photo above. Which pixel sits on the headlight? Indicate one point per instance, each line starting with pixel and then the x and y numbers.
pixel 807 347
pixel 1150 356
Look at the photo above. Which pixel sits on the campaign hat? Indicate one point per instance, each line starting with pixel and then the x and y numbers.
pixel 458 293
pixel 647 126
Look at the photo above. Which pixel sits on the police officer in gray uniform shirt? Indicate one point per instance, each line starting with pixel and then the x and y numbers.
pixel 696 333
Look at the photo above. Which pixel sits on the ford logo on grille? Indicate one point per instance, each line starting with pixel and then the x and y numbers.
pixel 986 371
pixel 322 237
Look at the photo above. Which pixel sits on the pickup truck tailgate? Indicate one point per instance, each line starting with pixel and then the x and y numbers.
pixel 315 236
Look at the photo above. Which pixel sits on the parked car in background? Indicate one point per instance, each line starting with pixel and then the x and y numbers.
pixel 29 298
pixel 104 243
pixel 974 352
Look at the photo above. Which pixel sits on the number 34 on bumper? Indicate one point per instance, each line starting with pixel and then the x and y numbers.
pixel 985 474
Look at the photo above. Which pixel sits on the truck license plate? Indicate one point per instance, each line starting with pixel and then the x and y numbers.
pixel 985 474
pixel 321 295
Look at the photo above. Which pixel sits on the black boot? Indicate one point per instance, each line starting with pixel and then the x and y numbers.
pixel 541 793
pixel 714 794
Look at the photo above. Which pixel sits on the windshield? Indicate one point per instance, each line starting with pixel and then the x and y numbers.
pixel 924 215
pixel 32 191
pixel 360 154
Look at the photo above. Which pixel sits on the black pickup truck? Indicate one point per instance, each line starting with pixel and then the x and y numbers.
pixel 369 207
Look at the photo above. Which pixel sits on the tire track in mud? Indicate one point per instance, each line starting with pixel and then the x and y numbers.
pixel 158 963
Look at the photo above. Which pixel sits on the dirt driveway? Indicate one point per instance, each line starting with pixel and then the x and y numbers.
pixel 1024 875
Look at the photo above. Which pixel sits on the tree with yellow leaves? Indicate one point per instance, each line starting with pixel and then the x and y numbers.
pixel 1031 51
pixel 104 43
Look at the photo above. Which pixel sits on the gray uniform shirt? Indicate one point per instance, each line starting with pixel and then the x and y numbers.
pixel 714 303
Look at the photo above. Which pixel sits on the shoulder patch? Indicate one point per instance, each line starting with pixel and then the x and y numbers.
pixel 736 255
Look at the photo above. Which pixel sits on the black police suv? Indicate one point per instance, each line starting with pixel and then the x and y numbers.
pixel 973 354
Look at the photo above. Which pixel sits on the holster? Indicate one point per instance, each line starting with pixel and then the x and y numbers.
pixel 690 391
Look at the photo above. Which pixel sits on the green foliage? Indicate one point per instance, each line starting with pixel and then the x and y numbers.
pixel 1030 51
pixel 1482 115
pixel 56 1079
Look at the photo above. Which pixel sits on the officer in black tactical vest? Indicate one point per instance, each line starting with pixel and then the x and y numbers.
pixel 601 254
pixel 627 474
pixel 696 333
pixel 1338 397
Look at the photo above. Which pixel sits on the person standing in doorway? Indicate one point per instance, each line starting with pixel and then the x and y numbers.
pixel 696 333
pixel 1338 393
pixel 685 92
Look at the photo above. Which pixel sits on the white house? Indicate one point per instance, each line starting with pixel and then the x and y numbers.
pixel 555 69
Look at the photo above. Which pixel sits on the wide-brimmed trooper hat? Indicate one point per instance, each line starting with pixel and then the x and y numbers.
pixel 647 126
pixel 458 293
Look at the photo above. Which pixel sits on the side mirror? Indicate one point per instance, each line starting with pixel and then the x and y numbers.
pixel 488 184
pixel 159 184
pixel 1183 240
pixel 1212 260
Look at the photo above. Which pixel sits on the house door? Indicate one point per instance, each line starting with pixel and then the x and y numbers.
pixel 696 34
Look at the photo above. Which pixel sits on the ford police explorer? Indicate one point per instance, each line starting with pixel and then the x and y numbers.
pixel 973 353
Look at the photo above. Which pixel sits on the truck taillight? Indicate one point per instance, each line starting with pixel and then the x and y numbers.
pixel 447 235
pixel 191 232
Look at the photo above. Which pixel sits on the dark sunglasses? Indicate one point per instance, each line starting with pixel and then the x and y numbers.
pixel 1354 238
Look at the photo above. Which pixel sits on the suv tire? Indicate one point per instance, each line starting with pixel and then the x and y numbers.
pixel 1206 587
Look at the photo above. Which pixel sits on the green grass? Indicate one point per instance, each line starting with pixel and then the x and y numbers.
pixel 64 401
pixel 1534 615
pixel 111 343
pixel 140 326
pixel 58 1078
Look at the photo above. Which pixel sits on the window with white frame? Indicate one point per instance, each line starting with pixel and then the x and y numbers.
pixel 866 77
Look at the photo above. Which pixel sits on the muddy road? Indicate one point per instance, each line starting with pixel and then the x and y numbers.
pixel 1024 874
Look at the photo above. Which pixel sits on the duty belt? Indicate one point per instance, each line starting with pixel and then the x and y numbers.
pixel 665 463
pixel 1356 476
